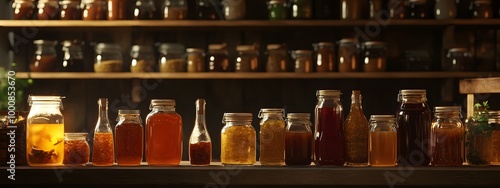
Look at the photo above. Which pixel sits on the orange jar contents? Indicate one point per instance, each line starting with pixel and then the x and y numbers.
pixel 76 149
pixel 103 150
pixel 129 136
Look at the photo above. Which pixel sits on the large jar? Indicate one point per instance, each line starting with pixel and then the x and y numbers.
pixel 48 9
pixel 478 138
pixel 374 56
pixel 447 137
pixel 234 9
pixel 174 10
pixel 324 57
pixel 144 10
pixel 383 141
pixel 458 59
pixel 298 139
pixel 76 149
pixel 414 128
pixel 272 137
pixel 45 56
pixel 195 60
pixel 45 131
pixel 348 56
pixel 108 58
pixel 163 125
pixel 23 9
pixel 94 10
pixel 142 59
pixel 328 132
pixel 247 59
pixel 494 121
pixel 445 9
pixel 218 59
pixel 238 140
pixel 301 9
pixel 71 10
pixel 117 9
pixel 303 61
pixel 129 138
pixel 277 58
pixel 277 10
pixel 353 9
pixel 482 9
pixel 73 57
pixel 172 58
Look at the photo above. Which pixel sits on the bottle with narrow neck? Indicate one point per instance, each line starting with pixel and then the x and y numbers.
pixel 200 145
pixel 103 144
pixel 356 133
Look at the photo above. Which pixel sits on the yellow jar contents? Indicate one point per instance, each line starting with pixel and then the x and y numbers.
pixel 45 144
pixel 238 145
pixel 272 137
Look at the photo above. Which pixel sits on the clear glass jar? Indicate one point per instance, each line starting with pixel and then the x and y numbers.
pixel 144 10
pixel 48 9
pixel 117 9
pixel 129 136
pixel 174 10
pixel 142 59
pixel 303 61
pixel 383 141
pixel 301 9
pixel 218 59
pixel 73 56
pixel 458 59
pixel 172 57
pixel 353 9
pixel 76 149
pixel 94 10
pixel 70 10
pixel 445 9
pixel 494 121
pixel 329 125
pixel 298 139
pixel 418 9
pixel 324 57
pixel 482 9
pixel 247 59
pixel 398 9
pixel 45 131
pixel 208 10
pixel 374 56
pixel 45 58
pixel 348 60
pixel 234 9
pixel 23 9
pixel 277 58
pixel 195 60
pixel 238 140
pixel 277 10
pixel 447 137
pixel 272 136
pixel 109 58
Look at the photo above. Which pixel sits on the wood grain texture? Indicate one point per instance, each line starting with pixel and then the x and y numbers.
pixel 480 85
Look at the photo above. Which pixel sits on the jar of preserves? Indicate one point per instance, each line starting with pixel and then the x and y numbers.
pixel 200 144
pixel 414 124
pixel 277 10
pixel 195 60
pixel 45 56
pixel 208 10
pixel 482 9
pixel 418 9
pixel 348 60
pixel 447 137
pixel 163 125
pixel 175 10
pixel 234 9
pixel 247 59
pixel 48 9
pixel 70 10
pixel 172 57
pixel 218 59
pixel 478 137
pixel 117 9
pixel 76 149
pixel 494 121
pixel 129 135
pixel 73 56
pixel 142 59
pixel 445 9
pixel 272 137
pixel 23 9
pixel 329 140
pixel 356 133
pixel 324 57
pixel 398 9
pixel 383 141
pixel 45 131
pixel 374 56
pixel 301 9
pixel 458 59
pixel 298 139
pixel 94 10
pixel 277 58
pixel 144 10
pixel 303 61
pixel 238 140
pixel 109 58
pixel 353 9
pixel 103 149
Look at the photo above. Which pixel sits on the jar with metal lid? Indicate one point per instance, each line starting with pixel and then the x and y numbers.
pixel 272 136
pixel 494 121
pixel 45 131
pixel 73 56
pixel 298 139
pixel 76 149
pixel 458 59
pixel 303 61
pixel 94 10
pixel 324 57
pixel 247 59
pixel 129 138
pixel 329 139
pixel 70 10
pixel 234 9
pixel 23 9
pixel 277 58
pixel 48 9
pixel 418 9
pixel 144 10
pixel 218 59
pixel 238 140
pixel 353 9
pixel 445 9
pixel 45 56
pixel 195 60
pixel 348 52
pixel 482 9
pixel 447 137
pixel 277 10
pixel 117 9
pixel 383 141
pixel 374 56
pixel 172 57
pixel 108 58
pixel 174 10
pixel 301 9
pixel 142 59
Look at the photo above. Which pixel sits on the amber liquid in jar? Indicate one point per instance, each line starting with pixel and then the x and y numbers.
pixel 164 139
pixel 298 149
pixel 42 148
pixel 496 144
pixel 76 152
pixel 272 142
pixel 117 9
pixel 447 150
pixel 414 122
pixel 238 145
pixel 383 148
pixel 200 153
pixel 129 144
pixel 218 62
pixel 103 150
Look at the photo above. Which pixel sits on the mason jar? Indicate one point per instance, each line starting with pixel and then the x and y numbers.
pixel 108 58
pixel 76 149
pixel 238 140
pixel 48 9
pixel 303 61
pixel 374 56
pixel 447 137
pixel 23 9
pixel 195 60
pixel 45 56
pixel 142 59
pixel 324 57
pixel 272 136
pixel 298 139
pixel 277 10
pixel 458 59
pixel 383 141
pixel 70 10
pixel 348 56
pixel 277 58
pixel 247 59
pixel 234 9
pixel 172 57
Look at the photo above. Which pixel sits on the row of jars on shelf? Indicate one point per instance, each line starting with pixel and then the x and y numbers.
pixel 411 137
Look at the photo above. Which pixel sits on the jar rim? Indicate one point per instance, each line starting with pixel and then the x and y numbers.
pixel 382 117
pixel 237 117
pixel 129 112
pixel 413 92
pixel 217 46
pixel 275 46
pixel 45 42
pixel 199 50
pixel 458 50
pixel 346 41
pixel 142 48
pixel 107 46
pixel 76 134
pixel 331 93
pixel 325 43
pixel 305 52
pixel 276 111
pixel 162 102
pixel 298 115
pixel 439 109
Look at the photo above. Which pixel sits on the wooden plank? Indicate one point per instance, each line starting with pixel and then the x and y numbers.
pixel 480 85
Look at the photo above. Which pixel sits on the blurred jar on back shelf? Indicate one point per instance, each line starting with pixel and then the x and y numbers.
pixel 76 149
pixel 375 8
pixel 73 57
pixel 129 136
pixel 272 136
pixel 144 10
pixel 447 137
pixel 494 121
pixel 303 61
pixel 348 56
pixel 23 9
pixel 398 9
pixel 374 56
pixel 94 10
pixel 298 139
pixel 142 59
pixel 195 60
pixel 277 58
pixel 71 10
pixel 464 9
pixel 238 140
pixel 419 9
pixel 482 9
pixel 218 59
pixel 117 9
pixel 354 9
pixel 445 9
pixel 383 141
pixel 234 9
pixel 208 10
pixel 108 58
pixel 301 9
pixel 458 59
pixel 45 56
pixel 172 57
pixel 277 10
pixel 324 57
pixel 247 59
pixel 48 9
pixel 174 10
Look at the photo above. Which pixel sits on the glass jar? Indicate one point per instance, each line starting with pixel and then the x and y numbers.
pixel 478 138
pixel 458 59
pixel 447 137
pixel 247 59
pixel 324 57
pixel 208 10
pixel 445 9
pixel 23 9
pixel 301 9
pixel 356 133
pixel 416 60
pixel 414 128
pixel 298 139
pixel 418 9
pixel 218 59
pixel 76 149
pixel 45 56
pixel 277 58
pixel 103 144
pixel 238 140
pixel 482 9
pixel 277 10
pixel 374 56
pixel 398 9
pixel 494 121
pixel 175 10
pixel 353 9
pixel 73 57
pixel 108 58
pixel 48 9
pixel 128 138
pixel 70 10
pixel 172 57
pixel 375 9
pixel 195 60
pixel 94 10
pixel 142 59
pixel 45 131
pixel 144 10
pixel 272 137
pixel 383 141
pixel 303 61
pixel 234 9
pixel 328 136
pixel 326 9
pixel 348 60
pixel 464 9
pixel 163 125
pixel 117 9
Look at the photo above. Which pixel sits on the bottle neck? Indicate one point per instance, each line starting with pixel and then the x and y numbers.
pixel 356 101
pixel 103 112
pixel 200 117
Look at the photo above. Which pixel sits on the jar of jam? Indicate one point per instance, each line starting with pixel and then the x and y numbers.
pixel 447 137
pixel 108 58
pixel 129 138
pixel 76 149
pixel 234 9
pixel 348 60
pixel 277 58
pixel 458 59
pixel 383 141
pixel 208 10
pixel 71 10
pixel 142 59
pixel 494 121
pixel 218 59
pixel 482 9
pixel 303 61
pixel 329 140
pixel 23 9
pixel 374 56
pixel 195 60
pixel 298 139
pixel 324 57
pixel 94 10
pixel 272 136
pixel 48 9
pixel 144 10
pixel 172 57
pixel 277 10
pixel 117 9
pixel 247 59
pixel 238 140
pixel 45 56
pixel 73 57
pixel 301 9
pixel 175 10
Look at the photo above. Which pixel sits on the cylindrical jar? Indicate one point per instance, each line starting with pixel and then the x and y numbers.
pixel 129 138
pixel 94 10
pixel 272 137
pixel 298 139
pixel 482 9
pixel 494 121
pixel 23 9
pixel 458 59
pixel 144 10
pixel 374 56
pixel 45 56
pixel 73 57
pixel 301 9
pixel 348 56
pixel 48 9
pixel 195 60
pixel 479 138
pixel 234 9
pixel 418 9
pixel 445 9
pixel 175 10
pixel 247 59
pixel 142 59
pixel 108 58
pixel 71 10
pixel 208 10
pixel 277 10
pixel 218 59
pixel 117 9
pixel 324 57
pixel 303 62
pixel 172 57
pixel 383 141
pixel 238 140
pixel 277 58
pixel 447 137
pixel 353 9
pixel 76 149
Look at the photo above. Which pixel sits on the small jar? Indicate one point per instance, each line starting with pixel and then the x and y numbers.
pixel 142 59
pixel 464 9
pixel 348 60
pixel 208 10
pixel 301 9
pixel 416 60
pixel 234 9
pixel 298 139
pixel 218 59
pixel 272 137
pixel 494 121
pixel 277 10
pixel 303 61
pixel 175 10
pixel 76 149
pixel 129 136
pixel 445 9
pixel 48 9
pixel 447 137
pixel 247 59
pixel 482 9
pixel 195 60
pixel 94 10
pixel 383 141
pixel 144 10
pixel 324 57
pixel 418 9
pixel 374 57
pixel 108 58
pixel 73 57
pixel 376 7
pixel 238 140
pixel 277 58
pixel 458 59
pixel 353 9
pixel 117 9
pixel 23 9
pixel 398 9
pixel 71 10
pixel 172 58
pixel 45 56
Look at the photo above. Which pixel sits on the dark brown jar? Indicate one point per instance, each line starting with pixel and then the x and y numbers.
pixel 23 9
pixel 482 9
pixel 94 10
pixel 73 57
pixel 144 10
pixel 418 9
pixel 45 56
pixel 218 60
pixel 71 10
pixel 324 57
pixel 398 9
pixel 117 9
pixel 48 10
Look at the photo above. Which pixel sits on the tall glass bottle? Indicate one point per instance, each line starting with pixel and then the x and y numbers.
pixel 356 133
pixel 329 136
pixel 103 151
pixel 200 144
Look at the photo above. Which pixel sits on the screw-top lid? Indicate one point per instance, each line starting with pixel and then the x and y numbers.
pixel 277 111
pixel 50 100
pixel 128 112
pixel 245 48
pixel 193 50
pixel 161 102
pixel 274 46
pixel 237 117
pixel 217 46
pixel 303 52
pixel 107 46
pixel 347 41
pixel 45 42
pixel 330 93
pixel 382 117
pixel 76 136
pixel 412 92
pixel 298 115
pixel 439 109
pixel 374 44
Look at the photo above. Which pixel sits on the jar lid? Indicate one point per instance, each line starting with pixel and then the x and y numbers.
pixel 107 46
pixel 382 117
pixel 304 52
pixel 272 2
pixel 331 93
pixel 325 43
pixel 236 117
pixel 458 50
pixel 418 1
pixel 192 50
pixel 66 2
pixel 45 42
pixel 412 92
pixel 245 48
pixel 164 47
pixel 75 135
pixel 347 41
pixel 217 46
pixel 439 109
pixel 129 112
pixel 161 102
pixel 298 115
pixel 271 111
pixel 374 44
pixel 274 46
pixel 142 48
pixel 46 99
